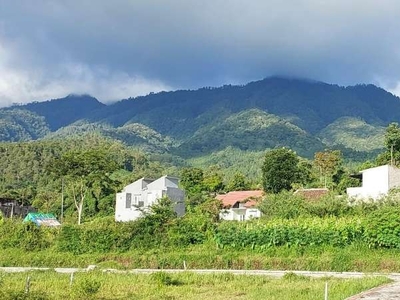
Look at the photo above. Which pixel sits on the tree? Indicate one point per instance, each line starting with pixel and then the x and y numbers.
pixel 392 144
pixel 280 170
pixel 214 180
pixel 192 180
pixel 327 162
pixel 238 183
pixel 85 173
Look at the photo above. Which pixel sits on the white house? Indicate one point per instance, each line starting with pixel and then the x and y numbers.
pixel 240 205
pixel 143 193
pixel 376 183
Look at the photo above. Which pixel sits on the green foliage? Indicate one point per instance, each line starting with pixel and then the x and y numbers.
pixel 283 205
pixel 382 228
pixel 353 133
pixel 329 205
pixel 280 170
pixel 292 232
pixel 163 279
pixel 88 287
pixel 238 183
pixel 214 180
pixel 192 180
pixel 232 160
pixel 251 129
pixel 253 117
pixel 25 235
pixel 392 143
pixel 327 163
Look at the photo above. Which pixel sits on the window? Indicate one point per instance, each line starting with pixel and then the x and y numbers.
pixel 136 199
pixel 141 203
pixel 128 200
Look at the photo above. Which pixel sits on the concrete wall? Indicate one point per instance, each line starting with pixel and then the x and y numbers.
pixel 394 177
pixel 239 214
pixel 122 213
pixel 252 213
pixel 376 183
pixel 149 193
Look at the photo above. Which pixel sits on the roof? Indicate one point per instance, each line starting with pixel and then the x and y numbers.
pixel 42 219
pixel 231 198
pixel 312 194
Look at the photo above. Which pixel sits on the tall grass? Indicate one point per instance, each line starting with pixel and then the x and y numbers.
pixel 97 285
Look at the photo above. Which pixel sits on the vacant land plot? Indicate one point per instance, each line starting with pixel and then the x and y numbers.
pixel 99 285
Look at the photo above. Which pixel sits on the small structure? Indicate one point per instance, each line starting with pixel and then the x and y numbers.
pixel 138 196
pixel 40 219
pixel 313 194
pixel 11 208
pixel 240 205
pixel 376 183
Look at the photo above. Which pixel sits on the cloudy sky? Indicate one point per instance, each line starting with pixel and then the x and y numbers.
pixel 121 48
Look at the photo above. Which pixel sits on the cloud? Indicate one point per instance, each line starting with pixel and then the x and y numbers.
pixel 121 48
pixel 26 86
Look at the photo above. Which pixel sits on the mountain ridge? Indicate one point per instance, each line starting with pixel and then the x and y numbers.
pixel 301 114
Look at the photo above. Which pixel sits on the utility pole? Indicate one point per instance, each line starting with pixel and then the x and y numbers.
pixel 62 200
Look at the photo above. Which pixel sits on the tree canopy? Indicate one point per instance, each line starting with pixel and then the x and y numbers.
pixel 280 170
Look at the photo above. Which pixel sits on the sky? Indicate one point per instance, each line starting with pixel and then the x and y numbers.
pixel 124 48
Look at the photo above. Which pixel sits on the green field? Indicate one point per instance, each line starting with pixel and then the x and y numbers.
pixel 351 258
pixel 99 285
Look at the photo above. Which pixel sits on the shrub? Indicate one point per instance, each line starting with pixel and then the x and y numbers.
pixel 295 232
pixel 88 287
pixel 382 228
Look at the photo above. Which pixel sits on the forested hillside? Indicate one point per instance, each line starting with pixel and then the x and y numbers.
pixel 306 116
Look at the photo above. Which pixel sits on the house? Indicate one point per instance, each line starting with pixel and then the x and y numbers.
pixel 376 183
pixel 40 219
pixel 143 193
pixel 313 194
pixel 240 205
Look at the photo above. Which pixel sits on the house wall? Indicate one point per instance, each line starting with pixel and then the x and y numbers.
pixel 148 193
pixel 122 213
pixel 376 182
pixel 230 215
pixel 239 214
pixel 394 177
pixel 252 213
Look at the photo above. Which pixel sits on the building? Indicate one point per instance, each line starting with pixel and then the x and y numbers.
pixel 11 208
pixel 376 183
pixel 143 193
pixel 40 219
pixel 240 205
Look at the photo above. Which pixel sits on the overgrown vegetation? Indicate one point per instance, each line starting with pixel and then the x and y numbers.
pixel 48 285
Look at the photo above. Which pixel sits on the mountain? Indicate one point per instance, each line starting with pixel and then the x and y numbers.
pixel 62 112
pixel 304 115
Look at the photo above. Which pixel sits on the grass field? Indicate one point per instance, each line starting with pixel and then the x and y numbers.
pixel 349 258
pixel 99 285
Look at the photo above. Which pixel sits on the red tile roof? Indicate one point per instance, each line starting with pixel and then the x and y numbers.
pixel 231 198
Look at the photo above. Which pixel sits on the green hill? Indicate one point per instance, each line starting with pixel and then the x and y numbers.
pixel 304 115
pixel 21 125
pixel 251 129
pixel 353 133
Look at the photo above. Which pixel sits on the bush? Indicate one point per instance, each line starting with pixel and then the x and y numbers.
pixel 382 228
pixel 88 287
pixel 296 232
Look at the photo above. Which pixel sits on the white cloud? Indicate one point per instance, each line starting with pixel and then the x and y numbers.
pixel 21 86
